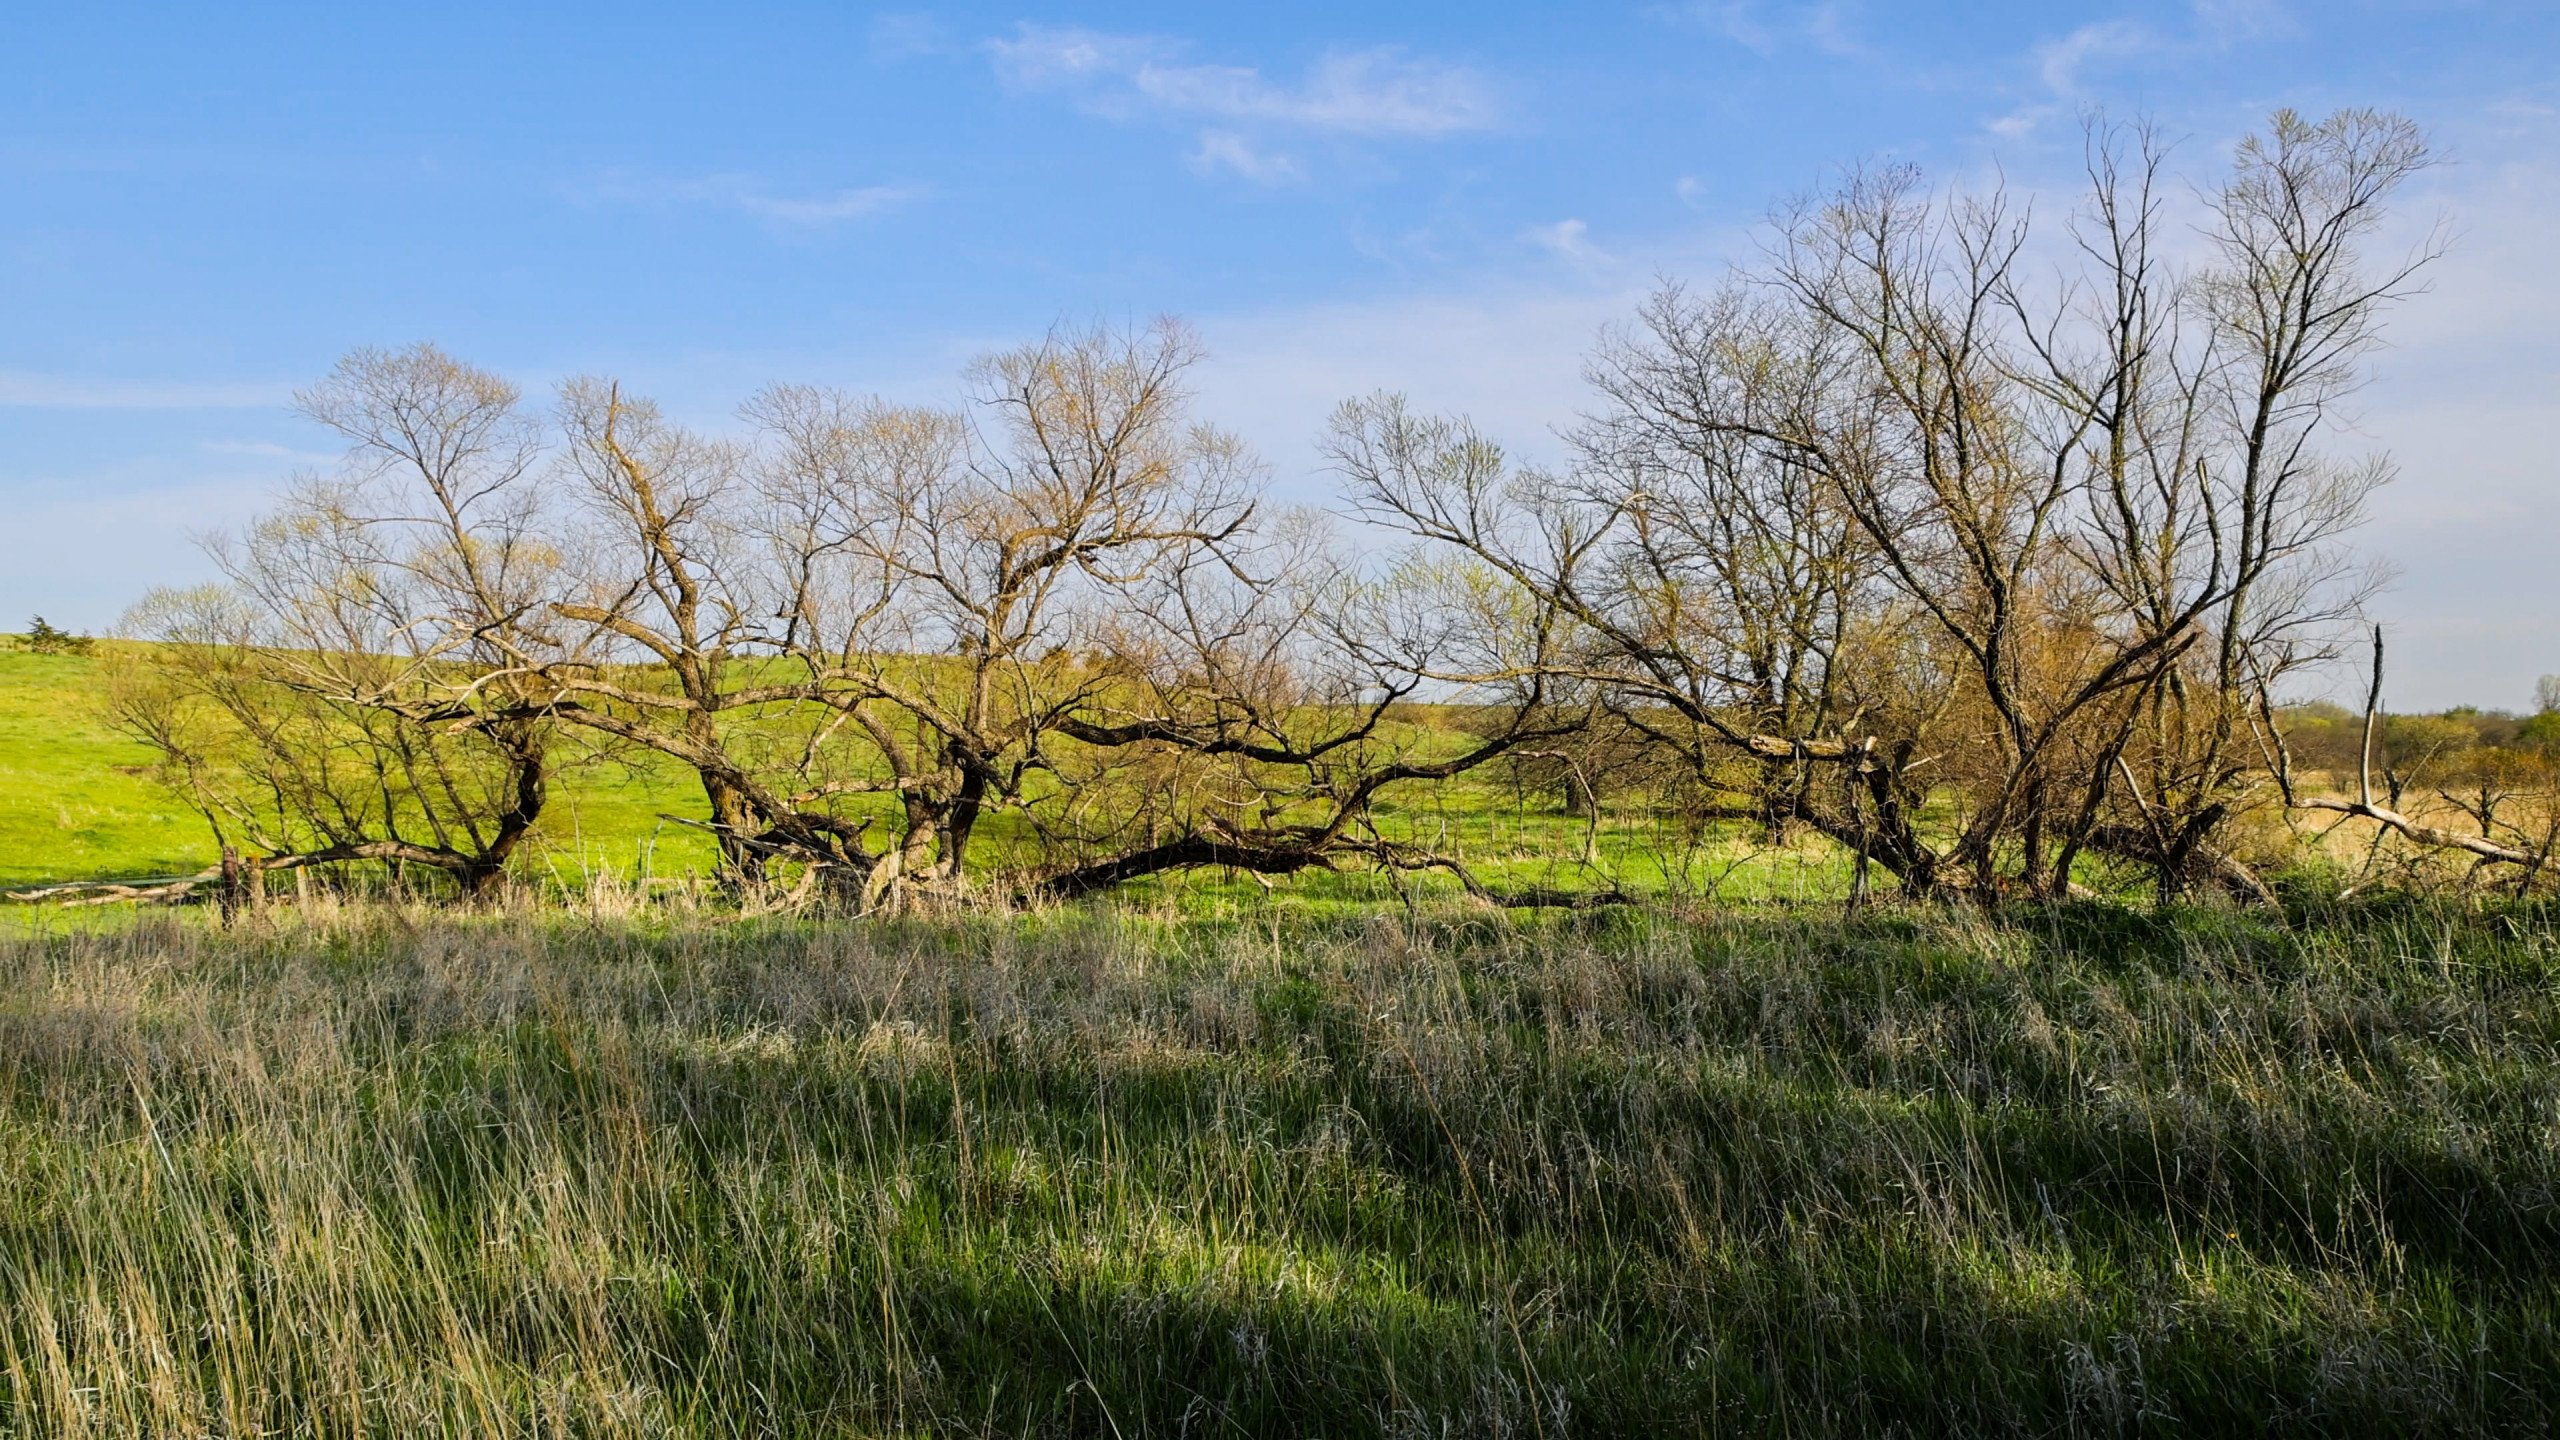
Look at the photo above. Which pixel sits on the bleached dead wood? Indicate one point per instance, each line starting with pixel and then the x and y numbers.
pixel 150 889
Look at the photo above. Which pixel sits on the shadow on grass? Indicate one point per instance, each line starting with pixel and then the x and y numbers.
pixel 2065 1173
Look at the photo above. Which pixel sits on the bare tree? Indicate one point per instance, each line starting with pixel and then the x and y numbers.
pixel 2288 312
pixel 2014 549
pixel 358 691
pixel 873 628
pixel 2527 843
pixel 1267 715
pixel 1000 544
pixel 672 612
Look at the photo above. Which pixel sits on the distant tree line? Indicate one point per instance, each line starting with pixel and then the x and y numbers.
pixel 1976 544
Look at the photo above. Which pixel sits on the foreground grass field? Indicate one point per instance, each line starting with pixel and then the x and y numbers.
pixel 386 1173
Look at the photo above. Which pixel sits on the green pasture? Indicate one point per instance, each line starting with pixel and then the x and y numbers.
pixel 76 798
pixel 77 801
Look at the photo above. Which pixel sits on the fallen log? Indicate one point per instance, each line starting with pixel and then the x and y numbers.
pixel 147 889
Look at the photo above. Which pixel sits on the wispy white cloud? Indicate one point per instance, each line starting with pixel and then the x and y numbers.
pixel 266 450
pixel 750 195
pixel 2062 65
pixel 824 209
pixel 1827 26
pixel 85 392
pixel 1765 28
pixel 2059 62
pixel 2229 20
pixel 897 35
pixel 1567 240
pixel 1228 152
pixel 1043 56
pixel 2022 122
pixel 1736 20
pixel 1367 92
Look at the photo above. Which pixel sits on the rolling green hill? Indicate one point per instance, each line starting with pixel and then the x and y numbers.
pixel 77 800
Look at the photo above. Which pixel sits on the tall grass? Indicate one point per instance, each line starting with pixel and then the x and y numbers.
pixel 381 1173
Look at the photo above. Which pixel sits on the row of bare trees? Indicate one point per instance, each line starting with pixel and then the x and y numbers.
pixel 1975 549
pixel 871 633
pixel 1974 546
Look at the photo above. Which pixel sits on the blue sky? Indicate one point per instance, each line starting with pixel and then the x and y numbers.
pixel 201 207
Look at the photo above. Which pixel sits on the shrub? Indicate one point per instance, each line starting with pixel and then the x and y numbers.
pixel 45 639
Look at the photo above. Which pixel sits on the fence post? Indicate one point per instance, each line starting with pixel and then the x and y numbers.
pixel 231 886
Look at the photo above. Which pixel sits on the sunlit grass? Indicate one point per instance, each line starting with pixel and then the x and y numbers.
pixel 76 799
pixel 373 1171
pixel 83 804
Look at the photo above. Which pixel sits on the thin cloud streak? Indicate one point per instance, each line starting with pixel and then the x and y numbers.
pixel 749 195
pixel 22 390
pixel 897 35
pixel 1567 240
pixel 1230 153
pixel 1369 92
pixel 1767 29
pixel 2061 65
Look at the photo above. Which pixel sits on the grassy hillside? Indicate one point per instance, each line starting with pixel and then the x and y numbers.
pixel 79 803
pixel 77 800
pixel 75 797
pixel 2079 1173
